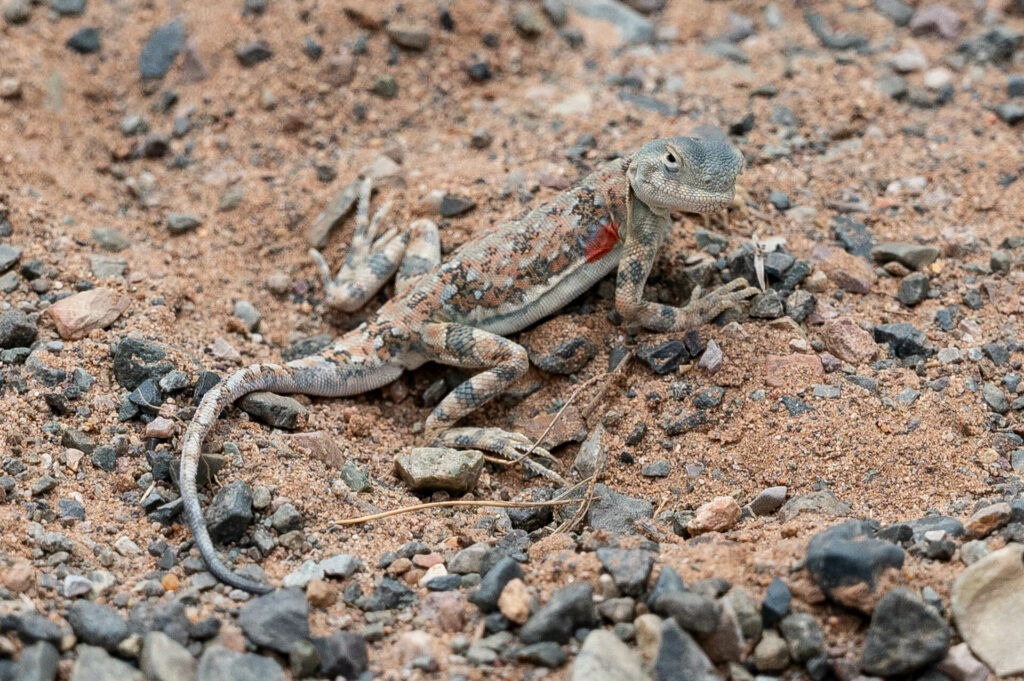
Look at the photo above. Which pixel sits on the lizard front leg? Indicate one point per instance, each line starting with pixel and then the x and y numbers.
pixel 643 237
pixel 505 362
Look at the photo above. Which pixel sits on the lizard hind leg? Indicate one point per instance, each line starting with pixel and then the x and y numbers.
pixel 373 257
pixel 505 361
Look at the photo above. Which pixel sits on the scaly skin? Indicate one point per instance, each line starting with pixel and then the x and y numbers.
pixel 459 312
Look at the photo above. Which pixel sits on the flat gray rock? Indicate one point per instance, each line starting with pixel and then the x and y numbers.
pixel 440 468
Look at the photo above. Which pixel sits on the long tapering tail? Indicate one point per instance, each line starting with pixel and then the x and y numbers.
pixel 256 377
pixel 351 369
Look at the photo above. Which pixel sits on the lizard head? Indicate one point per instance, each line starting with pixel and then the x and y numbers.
pixel 685 173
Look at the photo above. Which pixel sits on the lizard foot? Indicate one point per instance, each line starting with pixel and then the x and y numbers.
pixel 510 445
pixel 373 256
pixel 701 310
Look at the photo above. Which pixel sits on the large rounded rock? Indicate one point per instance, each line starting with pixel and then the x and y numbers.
pixel 988 608
pixel 905 635
pixel 846 562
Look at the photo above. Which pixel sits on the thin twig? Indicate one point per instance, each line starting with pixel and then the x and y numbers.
pixel 442 504
pixel 560 500
pixel 586 411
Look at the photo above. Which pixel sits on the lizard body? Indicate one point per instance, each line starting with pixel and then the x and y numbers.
pixel 501 281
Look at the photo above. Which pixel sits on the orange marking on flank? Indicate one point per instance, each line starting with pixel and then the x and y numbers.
pixel 603 242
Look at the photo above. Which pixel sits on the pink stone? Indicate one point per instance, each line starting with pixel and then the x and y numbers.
pixel 77 315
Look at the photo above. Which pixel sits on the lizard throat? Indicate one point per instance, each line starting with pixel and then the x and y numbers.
pixel 602 241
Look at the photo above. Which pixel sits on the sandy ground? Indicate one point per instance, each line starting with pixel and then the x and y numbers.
pixel 66 167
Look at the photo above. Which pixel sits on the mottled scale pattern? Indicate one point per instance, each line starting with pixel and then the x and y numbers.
pixel 501 281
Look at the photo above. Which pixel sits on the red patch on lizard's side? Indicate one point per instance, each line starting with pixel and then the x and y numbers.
pixel 603 242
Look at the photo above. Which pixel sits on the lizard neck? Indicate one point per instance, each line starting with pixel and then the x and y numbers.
pixel 612 180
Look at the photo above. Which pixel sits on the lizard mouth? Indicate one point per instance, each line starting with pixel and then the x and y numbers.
pixel 689 199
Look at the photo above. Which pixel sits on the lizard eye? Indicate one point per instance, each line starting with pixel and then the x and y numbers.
pixel 671 162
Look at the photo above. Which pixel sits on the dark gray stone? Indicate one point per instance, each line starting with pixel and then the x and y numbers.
pixel 847 554
pixel 253 53
pixel 664 357
pixel 833 40
pixel 71 509
pixel 104 458
pixel 342 654
pixel 31 627
pixel 136 359
pixel 306 347
pixel 800 304
pixel 658 469
pixel 17 329
pixel 776 602
pixel 629 568
pixel 84 41
pixel 680 658
pixel 161 49
pixel 532 517
pixel 487 594
pixel 68 7
pixel 543 654
pixel 452 205
pixel 803 635
pixel 568 609
pixel 913 289
pixel 147 397
pixel 220 664
pixel 276 620
pixel 767 305
pixel 914 256
pixel 709 397
pixel 904 340
pixel 181 223
pixel 389 595
pixel 286 519
pixel 795 406
pixel 853 235
pixel 9 257
pixel 1011 113
pixel 97 624
pixel 228 517
pixel 904 635
pixel 668 582
pixel 38 662
pixel 780 200
pixel 616 513
pixel 169 618
pixel 950 526
pixel 692 611
pixel 896 11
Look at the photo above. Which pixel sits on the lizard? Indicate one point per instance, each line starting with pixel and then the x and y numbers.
pixel 460 312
